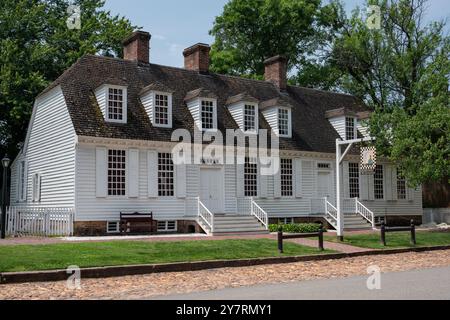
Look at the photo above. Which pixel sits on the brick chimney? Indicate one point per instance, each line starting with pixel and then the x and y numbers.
pixel 276 71
pixel 136 47
pixel 196 58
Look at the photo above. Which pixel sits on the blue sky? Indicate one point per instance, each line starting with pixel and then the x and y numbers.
pixel 176 24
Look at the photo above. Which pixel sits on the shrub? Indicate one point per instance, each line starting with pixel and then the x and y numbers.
pixel 296 228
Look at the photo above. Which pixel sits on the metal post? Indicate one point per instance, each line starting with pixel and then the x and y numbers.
pixel 383 233
pixel 321 238
pixel 340 225
pixel 280 239
pixel 413 233
pixel 4 195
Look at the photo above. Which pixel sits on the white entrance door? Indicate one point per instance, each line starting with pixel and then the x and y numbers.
pixel 324 184
pixel 211 189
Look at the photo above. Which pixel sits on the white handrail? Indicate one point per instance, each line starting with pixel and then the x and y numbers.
pixel 365 213
pixel 206 215
pixel 259 213
pixel 330 211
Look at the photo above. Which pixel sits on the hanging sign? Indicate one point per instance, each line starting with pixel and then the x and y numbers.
pixel 368 160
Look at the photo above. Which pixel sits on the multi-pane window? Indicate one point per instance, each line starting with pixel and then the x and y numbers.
pixel 162 109
pixel 378 182
pixel 207 114
pixel 249 118
pixel 250 177
pixel 401 185
pixel 353 176
pixel 283 122
pixel 165 175
pixel 285 220
pixel 286 178
pixel 115 104
pixel 350 128
pixel 22 181
pixel 116 172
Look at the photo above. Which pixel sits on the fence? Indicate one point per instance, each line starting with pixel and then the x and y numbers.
pixel 282 237
pixel 23 221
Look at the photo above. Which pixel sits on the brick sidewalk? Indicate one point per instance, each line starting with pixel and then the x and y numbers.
pixel 341 247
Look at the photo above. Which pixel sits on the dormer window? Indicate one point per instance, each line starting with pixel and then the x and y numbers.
pixel 208 116
pixel 249 118
pixel 116 110
pixel 112 101
pixel 157 101
pixel 350 128
pixel 284 122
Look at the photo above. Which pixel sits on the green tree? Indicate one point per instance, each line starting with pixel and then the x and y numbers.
pixel 248 32
pixel 402 71
pixel 36 46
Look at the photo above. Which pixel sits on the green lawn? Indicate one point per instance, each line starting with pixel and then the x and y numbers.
pixel 98 254
pixel 395 240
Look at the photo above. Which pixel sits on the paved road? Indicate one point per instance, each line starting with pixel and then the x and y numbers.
pixel 418 284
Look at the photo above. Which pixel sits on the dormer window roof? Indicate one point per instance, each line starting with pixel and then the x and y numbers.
pixel 113 100
pixel 157 101
pixel 242 97
pixel 202 104
pixel 344 121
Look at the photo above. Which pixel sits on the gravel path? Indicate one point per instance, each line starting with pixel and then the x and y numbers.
pixel 135 287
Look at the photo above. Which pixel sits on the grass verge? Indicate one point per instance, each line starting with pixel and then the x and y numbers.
pixel 117 253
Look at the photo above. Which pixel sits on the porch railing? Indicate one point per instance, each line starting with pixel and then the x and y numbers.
pixel 205 215
pixel 39 221
pixel 330 213
pixel 365 213
pixel 259 213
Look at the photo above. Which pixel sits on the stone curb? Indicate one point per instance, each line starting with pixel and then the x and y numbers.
pixel 118 271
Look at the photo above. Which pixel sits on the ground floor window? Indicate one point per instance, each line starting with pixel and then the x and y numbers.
pixel 251 177
pixel 285 220
pixel 378 182
pixel 401 185
pixel 286 178
pixel 116 172
pixel 166 186
pixel 167 226
pixel 353 175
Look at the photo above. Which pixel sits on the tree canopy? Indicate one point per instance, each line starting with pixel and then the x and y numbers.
pixel 36 46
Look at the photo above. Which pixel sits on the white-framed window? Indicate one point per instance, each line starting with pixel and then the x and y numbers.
pixel 378 187
pixel 401 185
pixel 353 179
pixel 116 104
pixel 285 220
pixel 22 181
pixel 286 178
pixel 116 172
pixel 36 187
pixel 350 132
pixel 163 110
pixel 208 114
pixel 166 186
pixel 250 118
pixel 284 122
pixel 167 226
pixel 112 227
pixel 250 177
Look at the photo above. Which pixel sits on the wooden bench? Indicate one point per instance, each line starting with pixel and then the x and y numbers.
pixel 137 223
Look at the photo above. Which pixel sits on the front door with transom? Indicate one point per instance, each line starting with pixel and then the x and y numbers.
pixel 324 184
pixel 211 189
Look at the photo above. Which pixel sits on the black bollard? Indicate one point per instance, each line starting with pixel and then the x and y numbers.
pixel 280 239
pixel 321 237
pixel 413 233
pixel 383 233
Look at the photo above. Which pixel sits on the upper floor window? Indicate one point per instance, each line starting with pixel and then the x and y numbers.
pixel 378 187
pixel 284 125
pixel 116 106
pixel 116 172
pixel 401 185
pixel 350 132
pixel 353 176
pixel 286 178
pixel 162 109
pixel 166 186
pixel 250 177
pixel 208 114
pixel 249 117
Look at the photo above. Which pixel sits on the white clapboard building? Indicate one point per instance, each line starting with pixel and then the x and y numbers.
pixel 99 143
